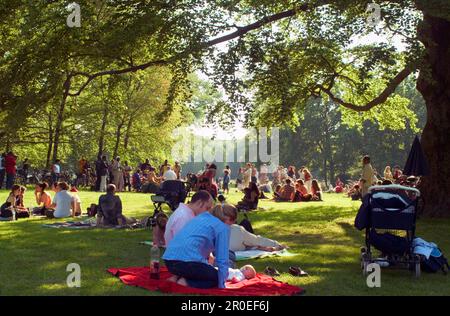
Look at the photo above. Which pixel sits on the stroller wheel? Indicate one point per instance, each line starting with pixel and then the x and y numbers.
pixel 364 263
pixel 417 270
pixel 417 267
pixel 364 267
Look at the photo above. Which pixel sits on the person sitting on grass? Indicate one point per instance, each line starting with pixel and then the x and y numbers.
pixel 12 207
pixel 251 197
pixel 316 191
pixel 76 207
pixel 186 256
pixel 277 189
pixel 153 182
pixel 20 196
pixel 355 192
pixel 301 192
pixel 286 192
pixel 159 228
pixel 170 174
pixel 62 202
pixel 339 186
pixel 201 202
pixel 109 211
pixel 21 209
pixel 43 199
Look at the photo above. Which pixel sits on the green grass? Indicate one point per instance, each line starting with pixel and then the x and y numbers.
pixel 33 259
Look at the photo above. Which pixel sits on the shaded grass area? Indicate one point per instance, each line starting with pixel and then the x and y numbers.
pixel 33 259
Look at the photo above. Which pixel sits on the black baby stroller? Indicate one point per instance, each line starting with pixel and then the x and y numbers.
pixel 388 214
pixel 172 193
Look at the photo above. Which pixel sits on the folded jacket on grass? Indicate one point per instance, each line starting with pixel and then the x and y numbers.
pixel 261 285
pixel 255 254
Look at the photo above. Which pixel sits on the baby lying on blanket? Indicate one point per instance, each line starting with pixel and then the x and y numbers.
pixel 245 273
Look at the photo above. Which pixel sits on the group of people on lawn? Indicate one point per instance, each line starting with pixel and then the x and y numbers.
pixel 369 177
pixel 65 203
pixel 287 185
pixel 201 238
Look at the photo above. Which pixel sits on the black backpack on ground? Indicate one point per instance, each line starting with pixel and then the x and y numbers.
pixel 434 264
pixel 92 210
pixel 387 243
pixel 5 212
pixel 247 225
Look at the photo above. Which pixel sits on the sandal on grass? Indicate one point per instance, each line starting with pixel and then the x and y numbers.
pixel 271 271
pixel 297 271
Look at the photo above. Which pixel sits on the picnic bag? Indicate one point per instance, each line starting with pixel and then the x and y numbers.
pixel 434 264
pixel 388 243
pixel 5 210
pixel 22 214
pixel 247 225
pixel 92 210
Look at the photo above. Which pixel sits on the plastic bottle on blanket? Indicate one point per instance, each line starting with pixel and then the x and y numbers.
pixel 154 262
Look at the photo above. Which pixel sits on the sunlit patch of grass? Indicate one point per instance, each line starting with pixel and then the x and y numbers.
pixel 320 234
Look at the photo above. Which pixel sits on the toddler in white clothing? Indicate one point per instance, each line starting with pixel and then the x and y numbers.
pixel 245 273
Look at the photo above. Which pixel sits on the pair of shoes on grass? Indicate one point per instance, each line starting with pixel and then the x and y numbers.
pixel 295 271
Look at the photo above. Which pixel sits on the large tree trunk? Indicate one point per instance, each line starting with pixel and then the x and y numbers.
pixel 434 84
pixel 127 133
pixel 101 140
pixel 50 141
pixel 118 135
pixel 60 118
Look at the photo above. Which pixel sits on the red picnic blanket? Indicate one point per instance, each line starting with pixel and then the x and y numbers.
pixel 261 285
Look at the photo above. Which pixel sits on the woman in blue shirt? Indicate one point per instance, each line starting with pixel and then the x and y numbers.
pixel 187 256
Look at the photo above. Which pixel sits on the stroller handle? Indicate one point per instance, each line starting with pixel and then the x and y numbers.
pixel 393 186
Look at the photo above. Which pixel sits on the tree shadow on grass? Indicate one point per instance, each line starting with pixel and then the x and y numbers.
pixel 40 256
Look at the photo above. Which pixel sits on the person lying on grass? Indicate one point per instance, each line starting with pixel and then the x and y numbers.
pixel 241 239
pixel 247 272
pixel 110 209
pixel 187 254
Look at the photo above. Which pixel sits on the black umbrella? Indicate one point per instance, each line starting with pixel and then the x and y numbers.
pixel 416 165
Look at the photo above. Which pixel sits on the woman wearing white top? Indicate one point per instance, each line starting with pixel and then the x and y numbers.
pixel 62 202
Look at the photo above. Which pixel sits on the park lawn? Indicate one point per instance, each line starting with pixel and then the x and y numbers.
pixel 33 259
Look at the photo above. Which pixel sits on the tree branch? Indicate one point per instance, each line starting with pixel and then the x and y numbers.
pixel 393 84
pixel 241 31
